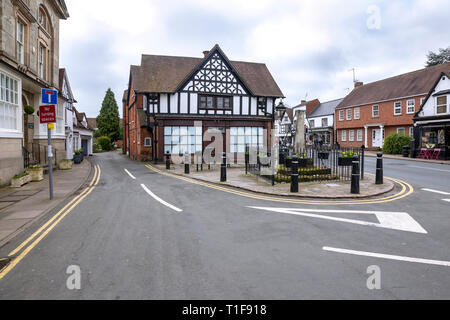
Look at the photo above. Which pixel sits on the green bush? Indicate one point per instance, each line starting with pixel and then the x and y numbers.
pixel 96 148
pixel 105 143
pixel 78 152
pixel 395 142
pixel 97 134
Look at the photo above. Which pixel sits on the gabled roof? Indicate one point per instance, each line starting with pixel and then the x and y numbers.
pixel 406 85
pixel 432 93
pixel 325 108
pixel 63 77
pixel 80 116
pixel 165 74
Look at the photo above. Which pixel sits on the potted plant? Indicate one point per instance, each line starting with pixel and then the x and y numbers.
pixel 78 157
pixel 65 164
pixel 36 172
pixel 28 110
pixel 20 179
pixel 347 158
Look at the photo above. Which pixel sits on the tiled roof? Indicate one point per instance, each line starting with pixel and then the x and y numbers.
pixel 405 85
pixel 163 74
pixel 325 108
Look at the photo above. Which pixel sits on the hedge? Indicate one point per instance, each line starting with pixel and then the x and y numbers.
pixel 395 142
pixel 105 143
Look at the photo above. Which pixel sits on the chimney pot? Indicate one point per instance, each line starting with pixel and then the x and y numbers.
pixel 205 53
pixel 358 84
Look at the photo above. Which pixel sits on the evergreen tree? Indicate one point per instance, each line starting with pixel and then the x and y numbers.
pixel 438 58
pixel 108 120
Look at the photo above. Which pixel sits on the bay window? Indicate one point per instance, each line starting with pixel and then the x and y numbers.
pixel 9 103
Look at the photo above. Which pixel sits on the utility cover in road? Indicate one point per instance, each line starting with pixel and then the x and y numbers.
pixel 390 220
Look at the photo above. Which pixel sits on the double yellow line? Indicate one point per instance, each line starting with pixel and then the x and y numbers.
pixel 406 190
pixel 49 225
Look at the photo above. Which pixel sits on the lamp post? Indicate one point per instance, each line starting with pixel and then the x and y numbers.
pixel 281 111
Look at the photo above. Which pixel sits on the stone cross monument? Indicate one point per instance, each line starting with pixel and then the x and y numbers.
pixel 300 143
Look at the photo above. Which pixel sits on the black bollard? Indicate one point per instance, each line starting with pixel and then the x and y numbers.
pixel 167 160
pixel 379 173
pixel 294 174
pixel 223 168
pixel 363 148
pixel 247 158
pixel 355 177
pixel 187 160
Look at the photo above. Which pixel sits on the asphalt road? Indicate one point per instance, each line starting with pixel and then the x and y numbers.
pixel 128 245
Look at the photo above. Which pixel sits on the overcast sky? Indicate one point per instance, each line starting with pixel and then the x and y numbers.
pixel 309 46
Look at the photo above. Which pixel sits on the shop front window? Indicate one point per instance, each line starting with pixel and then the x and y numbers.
pixel 436 138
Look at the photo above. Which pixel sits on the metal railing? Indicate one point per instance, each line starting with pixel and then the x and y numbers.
pixel 38 155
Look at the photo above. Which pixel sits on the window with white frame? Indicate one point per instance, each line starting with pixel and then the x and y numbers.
pixel 401 130
pixel 397 108
pixel 9 103
pixel 410 106
pixel 178 140
pixel 421 101
pixel 41 62
pixel 411 131
pixel 359 135
pixel 441 105
pixel 344 135
pixel 147 142
pixel 357 113
pixel 20 42
pixel 243 136
pixel 349 114
pixel 341 115
pixel 351 135
pixel 312 123
pixel 324 122
pixel 375 111
pixel 60 118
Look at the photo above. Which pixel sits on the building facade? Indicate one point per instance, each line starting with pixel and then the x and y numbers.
pixel 29 61
pixel 172 102
pixel 321 124
pixel 376 110
pixel 83 133
pixel 432 121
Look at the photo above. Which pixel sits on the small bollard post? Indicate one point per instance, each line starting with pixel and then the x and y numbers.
pixel 167 160
pixel 223 168
pixel 379 173
pixel 187 162
pixel 355 177
pixel 247 158
pixel 363 148
pixel 294 175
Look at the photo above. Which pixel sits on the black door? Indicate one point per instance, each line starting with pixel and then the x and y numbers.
pixel 84 146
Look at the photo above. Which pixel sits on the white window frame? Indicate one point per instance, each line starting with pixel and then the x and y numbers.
pixel 147 143
pixel 396 107
pixel 41 61
pixel 359 135
pixel 351 135
pixel 312 123
pixel 357 114
pixel 349 114
pixel 399 130
pixel 341 115
pixel 441 105
pixel 344 135
pixel 20 39
pixel 408 106
pixel 377 115
pixel 324 122
pixel 421 101
pixel 14 107
pixel 411 131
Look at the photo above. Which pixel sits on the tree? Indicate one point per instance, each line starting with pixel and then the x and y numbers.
pixel 108 120
pixel 438 58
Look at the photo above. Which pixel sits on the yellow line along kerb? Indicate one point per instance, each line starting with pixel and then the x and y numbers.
pixel 61 216
pixel 406 190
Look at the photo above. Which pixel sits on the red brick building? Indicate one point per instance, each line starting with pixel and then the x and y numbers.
pixel 376 110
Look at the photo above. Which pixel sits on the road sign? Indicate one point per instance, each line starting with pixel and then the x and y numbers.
pixel 51 126
pixel 49 96
pixel 47 114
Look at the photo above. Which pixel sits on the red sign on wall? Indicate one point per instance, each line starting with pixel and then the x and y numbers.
pixel 47 114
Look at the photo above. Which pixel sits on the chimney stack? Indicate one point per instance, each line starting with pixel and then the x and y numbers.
pixel 205 53
pixel 358 84
pixel 303 102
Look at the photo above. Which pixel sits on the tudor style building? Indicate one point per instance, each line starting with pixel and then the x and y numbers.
pixel 171 102
pixel 376 110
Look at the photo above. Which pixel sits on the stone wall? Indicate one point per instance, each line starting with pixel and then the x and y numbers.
pixel 11 159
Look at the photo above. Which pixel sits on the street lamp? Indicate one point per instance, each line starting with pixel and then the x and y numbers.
pixel 281 111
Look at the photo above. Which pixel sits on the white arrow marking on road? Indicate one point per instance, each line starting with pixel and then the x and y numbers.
pixel 133 177
pixel 154 196
pixel 448 200
pixel 437 191
pixel 388 256
pixel 390 220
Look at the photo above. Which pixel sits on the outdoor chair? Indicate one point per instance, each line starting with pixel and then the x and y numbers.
pixel 435 155
pixel 423 154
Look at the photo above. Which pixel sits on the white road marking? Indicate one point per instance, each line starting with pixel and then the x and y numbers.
pixel 154 196
pixel 388 256
pixel 390 220
pixel 429 168
pixel 133 177
pixel 436 191
pixel 448 200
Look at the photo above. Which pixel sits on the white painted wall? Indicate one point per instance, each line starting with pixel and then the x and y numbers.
pixel 318 121
pixel 429 109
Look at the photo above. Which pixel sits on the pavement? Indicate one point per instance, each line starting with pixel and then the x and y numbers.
pixel 140 234
pixel 322 190
pixel 400 157
pixel 20 208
